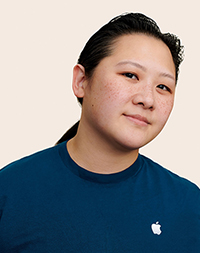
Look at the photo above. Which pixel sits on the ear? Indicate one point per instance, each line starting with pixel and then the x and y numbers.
pixel 79 81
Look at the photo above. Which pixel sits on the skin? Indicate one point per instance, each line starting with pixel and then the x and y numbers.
pixel 126 103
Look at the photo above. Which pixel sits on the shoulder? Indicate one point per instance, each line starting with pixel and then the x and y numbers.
pixel 175 194
pixel 168 180
pixel 29 165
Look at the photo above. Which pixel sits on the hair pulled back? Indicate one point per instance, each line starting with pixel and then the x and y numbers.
pixel 100 45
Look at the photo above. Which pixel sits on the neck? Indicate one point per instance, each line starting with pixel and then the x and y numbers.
pixel 98 155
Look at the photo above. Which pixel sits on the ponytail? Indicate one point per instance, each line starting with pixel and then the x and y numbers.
pixel 69 134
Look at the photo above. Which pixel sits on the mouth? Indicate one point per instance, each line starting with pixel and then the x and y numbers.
pixel 137 119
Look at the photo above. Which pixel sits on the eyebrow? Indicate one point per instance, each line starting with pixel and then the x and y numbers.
pixel 167 75
pixel 132 63
pixel 162 74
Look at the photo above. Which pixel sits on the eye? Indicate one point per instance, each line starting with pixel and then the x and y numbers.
pixel 131 76
pixel 163 87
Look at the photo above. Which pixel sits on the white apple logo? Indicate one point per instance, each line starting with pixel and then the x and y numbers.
pixel 156 228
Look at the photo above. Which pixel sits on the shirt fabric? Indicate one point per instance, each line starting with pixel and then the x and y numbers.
pixel 50 204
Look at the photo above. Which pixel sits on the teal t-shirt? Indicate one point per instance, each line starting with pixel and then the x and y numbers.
pixel 50 204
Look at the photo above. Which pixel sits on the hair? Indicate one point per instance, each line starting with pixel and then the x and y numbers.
pixel 100 45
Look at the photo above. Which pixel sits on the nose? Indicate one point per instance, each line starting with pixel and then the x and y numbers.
pixel 144 98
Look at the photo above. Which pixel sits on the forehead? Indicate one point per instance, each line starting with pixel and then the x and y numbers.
pixel 134 41
pixel 143 48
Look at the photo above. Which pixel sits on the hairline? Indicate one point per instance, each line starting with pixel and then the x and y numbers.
pixel 111 47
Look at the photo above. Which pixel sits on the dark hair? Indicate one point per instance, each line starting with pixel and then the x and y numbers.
pixel 100 45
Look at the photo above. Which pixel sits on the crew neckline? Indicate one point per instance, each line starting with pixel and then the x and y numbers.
pixel 97 177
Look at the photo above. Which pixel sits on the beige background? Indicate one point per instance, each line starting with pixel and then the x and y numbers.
pixel 40 43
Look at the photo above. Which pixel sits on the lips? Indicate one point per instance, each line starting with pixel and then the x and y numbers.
pixel 138 119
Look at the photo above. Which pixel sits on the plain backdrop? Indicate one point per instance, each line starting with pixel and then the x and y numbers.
pixel 40 42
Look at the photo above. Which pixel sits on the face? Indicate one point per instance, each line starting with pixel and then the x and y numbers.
pixel 130 96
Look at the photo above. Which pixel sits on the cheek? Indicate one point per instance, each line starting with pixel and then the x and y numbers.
pixel 110 94
pixel 117 91
pixel 165 108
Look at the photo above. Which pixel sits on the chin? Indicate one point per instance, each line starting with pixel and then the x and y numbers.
pixel 130 145
pixel 139 141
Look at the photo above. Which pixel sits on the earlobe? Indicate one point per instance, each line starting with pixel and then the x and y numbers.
pixel 78 82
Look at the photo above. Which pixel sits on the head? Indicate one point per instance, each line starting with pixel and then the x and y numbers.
pixel 102 44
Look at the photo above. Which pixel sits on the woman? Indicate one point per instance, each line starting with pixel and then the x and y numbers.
pixel 94 192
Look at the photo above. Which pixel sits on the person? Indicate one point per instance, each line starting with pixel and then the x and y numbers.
pixel 93 191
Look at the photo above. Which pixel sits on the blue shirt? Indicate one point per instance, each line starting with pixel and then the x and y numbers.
pixel 50 204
